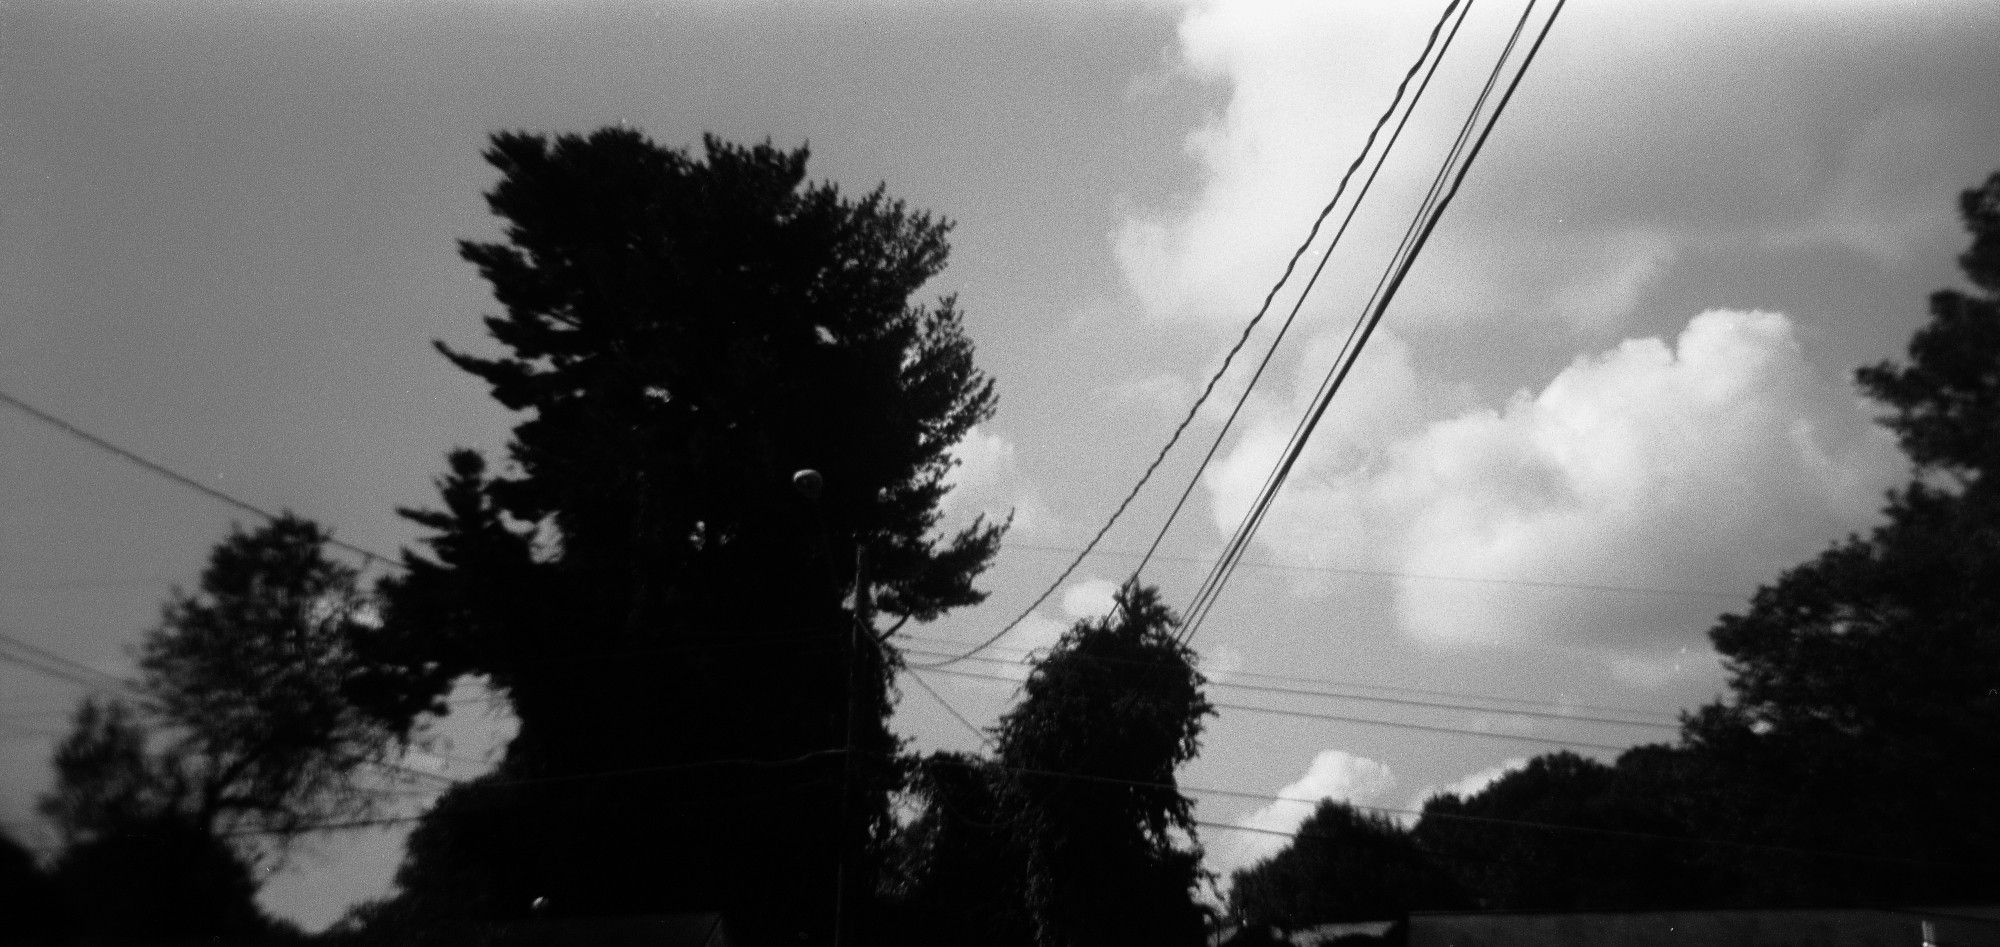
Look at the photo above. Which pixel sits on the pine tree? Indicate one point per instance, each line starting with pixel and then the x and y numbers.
pixel 643 579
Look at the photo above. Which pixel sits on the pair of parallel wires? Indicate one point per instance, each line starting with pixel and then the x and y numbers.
pixel 1419 231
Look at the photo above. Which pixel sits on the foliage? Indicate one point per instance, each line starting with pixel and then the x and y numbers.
pixel 1344 865
pixel 238 733
pixel 1947 397
pixel 1853 758
pixel 642 580
pixel 107 779
pixel 1115 707
pixel 247 677
pixel 1862 680
pixel 30 910
pixel 961 875
pixel 165 879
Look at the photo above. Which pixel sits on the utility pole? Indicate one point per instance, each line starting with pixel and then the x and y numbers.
pixel 862 619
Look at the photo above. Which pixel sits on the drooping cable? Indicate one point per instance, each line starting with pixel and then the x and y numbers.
pixel 1216 377
pixel 151 466
pixel 1266 493
pixel 1386 296
pixel 1271 350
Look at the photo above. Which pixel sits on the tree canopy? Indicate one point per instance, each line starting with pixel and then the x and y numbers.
pixel 1853 758
pixel 683 333
pixel 1089 754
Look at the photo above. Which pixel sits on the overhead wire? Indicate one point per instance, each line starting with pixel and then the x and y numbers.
pixel 1552 584
pixel 1387 810
pixel 1271 350
pixel 1558 715
pixel 1216 377
pixel 36 658
pixel 1026 656
pixel 1359 721
pixel 368 556
pixel 1385 295
pixel 1273 480
pixel 984 737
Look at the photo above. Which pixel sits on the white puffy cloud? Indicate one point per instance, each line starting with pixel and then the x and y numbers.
pixel 1296 115
pixel 1090 598
pixel 988 479
pixel 1707 462
pixel 1470 785
pixel 1334 774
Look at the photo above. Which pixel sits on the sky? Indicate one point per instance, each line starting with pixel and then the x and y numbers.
pixel 1612 398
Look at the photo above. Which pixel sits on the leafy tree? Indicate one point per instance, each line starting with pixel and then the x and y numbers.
pixel 1569 833
pixel 1114 708
pixel 29 904
pixel 1344 865
pixel 107 778
pixel 1862 681
pixel 247 677
pixel 961 875
pixel 1854 757
pixel 643 579
pixel 163 879
pixel 238 733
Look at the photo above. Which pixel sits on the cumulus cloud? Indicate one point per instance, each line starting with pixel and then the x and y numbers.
pixel 1467 786
pixel 1294 119
pixel 1090 598
pixel 1334 774
pixel 988 479
pixel 1713 459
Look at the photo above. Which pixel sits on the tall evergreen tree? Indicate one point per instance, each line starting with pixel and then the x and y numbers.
pixel 644 580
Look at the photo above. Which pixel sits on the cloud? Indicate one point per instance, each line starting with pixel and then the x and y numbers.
pixel 1334 774
pixel 1890 192
pixel 1470 785
pixel 1161 393
pixel 1295 117
pixel 1090 598
pixel 1653 671
pixel 988 479
pixel 1709 461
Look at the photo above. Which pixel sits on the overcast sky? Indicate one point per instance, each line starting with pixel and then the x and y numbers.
pixel 227 239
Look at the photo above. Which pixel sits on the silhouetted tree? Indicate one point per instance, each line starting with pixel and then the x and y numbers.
pixel 1344 865
pixel 237 733
pixel 30 907
pixel 1569 833
pixel 643 580
pixel 1862 698
pixel 164 879
pixel 108 778
pixel 246 679
pixel 1853 759
pixel 1090 754
pixel 961 865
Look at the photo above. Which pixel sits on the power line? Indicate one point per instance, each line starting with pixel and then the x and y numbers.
pixel 176 476
pixel 1425 576
pixel 1113 780
pixel 1298 304
pixel 1563 706
pixel 1402 701
pixel 1215 378
pixel 984 738
pixel 1386 295
pixel 1274 481
pixel 1361 721
pixel 35 658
